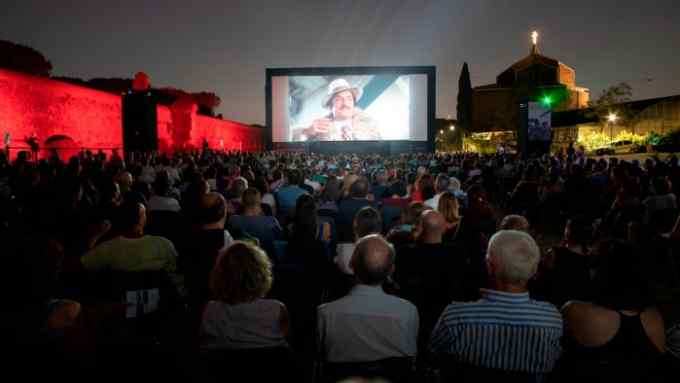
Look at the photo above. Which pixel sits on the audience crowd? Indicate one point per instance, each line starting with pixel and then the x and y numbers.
pixel 418 267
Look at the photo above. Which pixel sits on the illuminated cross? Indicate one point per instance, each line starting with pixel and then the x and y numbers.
pixel 534 37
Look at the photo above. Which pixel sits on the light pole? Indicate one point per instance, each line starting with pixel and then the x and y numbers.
pixel 612 120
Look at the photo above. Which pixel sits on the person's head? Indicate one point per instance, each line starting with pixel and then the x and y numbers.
pixel 359 188
pixel 294 177
pixel 413 211
pixel 132 217
pixel 367 221
pixel 211 210
pixel 441 183
pixel 331 190
pixel 617 280
pixel 372 260
pixel 661 186
pixel 514 222
pixel 449 207
pixel 238 186
pixel 341 99
pixel 426 186
pixel 124 180
pixel 305 219
pixel 512 258
pixel 398 189
pixel 241 275
pixel 251 198
pixel 162 183
pixel 430 227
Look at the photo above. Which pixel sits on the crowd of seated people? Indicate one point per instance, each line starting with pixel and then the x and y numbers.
pixel 307 267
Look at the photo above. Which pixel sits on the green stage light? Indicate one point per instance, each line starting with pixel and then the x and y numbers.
pixel 547 101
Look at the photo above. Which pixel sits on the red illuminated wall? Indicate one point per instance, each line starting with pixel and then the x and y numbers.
pixel 31 105
pixel 91 119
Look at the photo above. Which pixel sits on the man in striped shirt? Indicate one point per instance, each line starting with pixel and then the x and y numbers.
pixel 504 330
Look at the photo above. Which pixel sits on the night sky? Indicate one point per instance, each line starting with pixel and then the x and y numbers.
pixel 225 46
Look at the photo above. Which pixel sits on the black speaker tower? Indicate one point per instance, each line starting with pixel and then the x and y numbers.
pixel 139 121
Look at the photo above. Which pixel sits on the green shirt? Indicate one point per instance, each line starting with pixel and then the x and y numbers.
pixel 147 253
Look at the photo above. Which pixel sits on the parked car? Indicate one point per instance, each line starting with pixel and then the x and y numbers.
pixel 619 147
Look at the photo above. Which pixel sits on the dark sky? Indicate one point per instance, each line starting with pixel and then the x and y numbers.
pixel 225 46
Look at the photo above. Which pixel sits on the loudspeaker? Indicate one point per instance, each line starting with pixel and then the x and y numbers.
pixel 139 122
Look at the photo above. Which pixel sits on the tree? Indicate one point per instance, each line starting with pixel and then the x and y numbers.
pixel 464 107
pixel 207 102
pixel 612 101
pixel 24 59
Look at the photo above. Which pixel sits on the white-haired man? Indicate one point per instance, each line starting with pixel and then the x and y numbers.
pixel 504 330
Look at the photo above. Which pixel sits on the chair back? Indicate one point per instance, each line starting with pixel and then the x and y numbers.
pixel 254 365
pixel 395 370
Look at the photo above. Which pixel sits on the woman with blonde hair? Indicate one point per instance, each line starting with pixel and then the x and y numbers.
pixel 449 207
pixel 240 317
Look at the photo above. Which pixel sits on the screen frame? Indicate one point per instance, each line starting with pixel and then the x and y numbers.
pixel 429 71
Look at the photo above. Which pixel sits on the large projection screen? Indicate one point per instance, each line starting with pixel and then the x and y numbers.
pixel 350 104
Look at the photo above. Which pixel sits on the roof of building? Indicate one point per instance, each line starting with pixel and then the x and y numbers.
pixel 586 115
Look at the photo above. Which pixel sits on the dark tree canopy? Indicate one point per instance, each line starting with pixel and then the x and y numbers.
pixel 24 59
pixel 464 107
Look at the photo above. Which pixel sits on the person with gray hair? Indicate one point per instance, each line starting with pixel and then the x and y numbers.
pixel 441 186
pixel 505 330
pixel 367 324
pixel 514 222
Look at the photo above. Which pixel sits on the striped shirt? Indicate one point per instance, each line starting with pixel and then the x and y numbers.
pixel 504 331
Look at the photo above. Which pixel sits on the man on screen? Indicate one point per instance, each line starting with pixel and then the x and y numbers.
pixel 345 122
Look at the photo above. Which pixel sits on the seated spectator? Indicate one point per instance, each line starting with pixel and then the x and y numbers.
pixel 514 222
pixel 330 195
pixel 505 330
pixel 253 221
pixel 348 208
pixel 240 317
pixel 288 195
pixel 308 232
pixel 236 190
pixel 620 335
pixel 380 188
pixel 161 200
pixel 268 199
pixel 449 207
pixel 131 251
pixel 564 274
pixel 404 233
pixel 367 324
pixel 367 221
pixel 398 196
pixel 430 273
pixel 424 188
pixel 441 185
pixel 200 247
pixel 662 199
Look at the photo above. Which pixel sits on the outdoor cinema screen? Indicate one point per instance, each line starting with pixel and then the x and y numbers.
pixel 349 107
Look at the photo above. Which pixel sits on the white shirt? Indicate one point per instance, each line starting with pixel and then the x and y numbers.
pixel 254 324
pixel 343 258
pixel 433 202
pixel 367 325
pixel 163 204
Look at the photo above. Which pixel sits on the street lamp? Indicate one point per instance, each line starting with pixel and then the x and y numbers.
pixel 452 128
pixel 612 120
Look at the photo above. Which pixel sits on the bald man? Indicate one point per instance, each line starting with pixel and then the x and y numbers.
pixel 200 246
pixel 367 324
pixel 430 273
